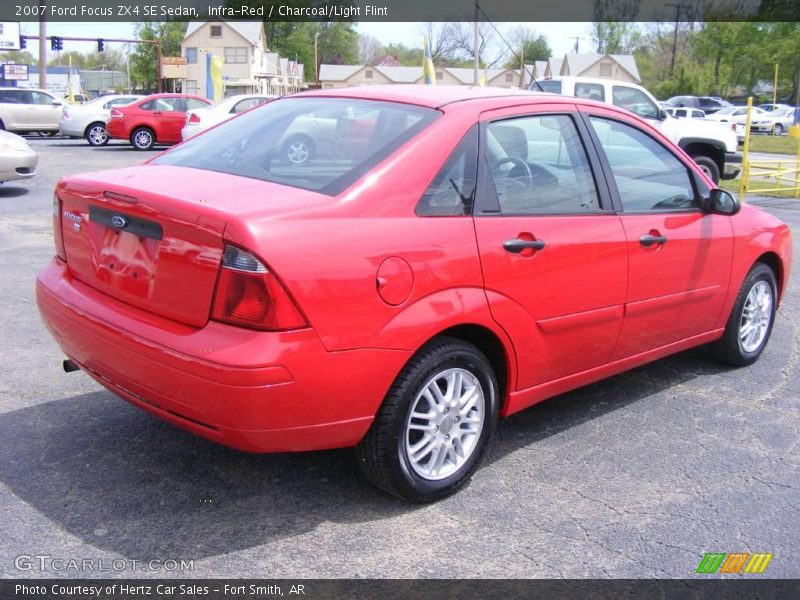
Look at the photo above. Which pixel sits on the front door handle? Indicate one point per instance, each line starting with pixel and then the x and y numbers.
pixel 649 239
pixel 517 245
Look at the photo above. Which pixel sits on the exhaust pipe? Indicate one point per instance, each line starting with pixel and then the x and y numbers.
pixel 69 366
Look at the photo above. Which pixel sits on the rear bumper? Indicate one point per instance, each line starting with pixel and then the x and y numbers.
pixel 253 391
pixel 117 129
pixel 72 128
pixel 733 165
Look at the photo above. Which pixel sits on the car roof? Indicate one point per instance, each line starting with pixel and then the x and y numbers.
pixel 431 96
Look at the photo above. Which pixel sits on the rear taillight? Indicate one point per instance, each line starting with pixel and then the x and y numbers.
pixel 116 114
pixel 58 236
pixel 193 118
pixel 249 295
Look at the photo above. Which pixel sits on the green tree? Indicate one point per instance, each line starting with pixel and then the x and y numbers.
pixel 111 60
pixel 62 59
pixel 533 46
pixel 19 57
pixel 337 43
pixel 144 58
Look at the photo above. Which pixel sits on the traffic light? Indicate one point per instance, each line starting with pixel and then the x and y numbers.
pixel 101 46
pixel 56 43
pixel 23 42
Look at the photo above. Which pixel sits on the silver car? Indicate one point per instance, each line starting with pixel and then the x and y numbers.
pixel 89 120
pixel 27 110
pixel 17 158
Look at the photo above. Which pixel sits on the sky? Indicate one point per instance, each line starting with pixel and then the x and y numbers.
pixel 561 36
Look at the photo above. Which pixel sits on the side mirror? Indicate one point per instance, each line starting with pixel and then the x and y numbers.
pixel 57 103
pixel 721 202
pixel 662 115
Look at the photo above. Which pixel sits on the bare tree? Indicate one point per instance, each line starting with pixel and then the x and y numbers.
pixel 369 49
pixel 613 30
pixel 489 53
pixel 441 39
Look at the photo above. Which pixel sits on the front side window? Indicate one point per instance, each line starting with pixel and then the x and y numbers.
pixel 538 165
pixel 319 144
pixel 635 101
pixel 452 191
pixel 648 176
pixel 41 98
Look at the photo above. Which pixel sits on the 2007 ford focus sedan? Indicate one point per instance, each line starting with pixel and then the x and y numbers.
pixel 445 257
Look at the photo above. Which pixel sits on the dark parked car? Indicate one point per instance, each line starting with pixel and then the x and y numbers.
pixel 708 104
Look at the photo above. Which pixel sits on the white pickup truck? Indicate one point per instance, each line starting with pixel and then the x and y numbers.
pixel 713 146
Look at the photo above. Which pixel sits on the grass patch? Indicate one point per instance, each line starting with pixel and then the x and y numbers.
pixel 732 185
pixel 775 144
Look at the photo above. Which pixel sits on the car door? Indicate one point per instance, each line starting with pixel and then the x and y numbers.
pixel 170 116
pixel 552 249
pixel 14 107
pixel 44 111
pixel 679 257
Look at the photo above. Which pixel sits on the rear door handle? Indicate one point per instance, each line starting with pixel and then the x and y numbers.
pixel 648 240
pixel 517 245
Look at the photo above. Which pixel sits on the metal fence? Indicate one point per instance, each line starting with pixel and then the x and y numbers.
pixel 784 175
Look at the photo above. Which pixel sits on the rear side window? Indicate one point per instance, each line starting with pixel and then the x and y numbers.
pixel 319 144
pixel 247 104
pixel 452 191
pixel 539 166
pixel 648 176
pixel 590 91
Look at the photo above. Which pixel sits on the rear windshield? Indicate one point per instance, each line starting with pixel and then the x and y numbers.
pixel 319 144
pixel 547 85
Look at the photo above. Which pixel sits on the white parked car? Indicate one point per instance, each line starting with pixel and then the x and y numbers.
pixel 760 122
pixel 773 107
pixel 200 119
pixel 27 110
pixel 89 120
pixel 17 158
pixel 783 119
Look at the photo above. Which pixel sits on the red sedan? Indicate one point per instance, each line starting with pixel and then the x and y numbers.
pixel 485 250
pixel 155 119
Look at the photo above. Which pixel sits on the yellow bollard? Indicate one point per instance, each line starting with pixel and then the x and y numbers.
pixel 745 176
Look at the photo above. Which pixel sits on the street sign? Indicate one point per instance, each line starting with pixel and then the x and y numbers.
pixel 15 72
pixel 9 36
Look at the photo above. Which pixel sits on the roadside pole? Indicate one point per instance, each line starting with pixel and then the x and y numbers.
pixel 745 176
pixel 42 52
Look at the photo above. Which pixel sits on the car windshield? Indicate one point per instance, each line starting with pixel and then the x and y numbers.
pixel 319 144
pixel 547 85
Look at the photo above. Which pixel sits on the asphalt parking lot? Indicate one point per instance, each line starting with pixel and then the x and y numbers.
pixel 636 476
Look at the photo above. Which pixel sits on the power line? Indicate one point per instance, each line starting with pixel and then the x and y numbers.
pixel 510 47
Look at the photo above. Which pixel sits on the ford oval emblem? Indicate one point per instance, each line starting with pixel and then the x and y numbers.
pixel 119 221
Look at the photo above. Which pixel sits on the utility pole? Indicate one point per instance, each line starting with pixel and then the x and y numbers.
pixel 677 8
pixel 42 49
pixel 475 52
pixel 316 58
pixel 578 44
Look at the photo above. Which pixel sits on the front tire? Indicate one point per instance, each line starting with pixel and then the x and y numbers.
pixel 750 324
pixel 708 166
pixel 778 129
pixel 143 138
pixel 96 134
pixel 435 423
pixel 298 149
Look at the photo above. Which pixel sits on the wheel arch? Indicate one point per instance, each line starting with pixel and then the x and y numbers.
pixel 90 125
pixel 497 351
pixel 694 147
pixel 774 262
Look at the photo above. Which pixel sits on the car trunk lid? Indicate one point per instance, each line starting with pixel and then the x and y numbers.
pixel 152 235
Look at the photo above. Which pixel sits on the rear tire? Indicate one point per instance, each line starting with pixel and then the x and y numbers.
pixel 298 149
pixel 434 425
pixel 96 134
pixel 143 138
pixel 750 324
pixel 708 166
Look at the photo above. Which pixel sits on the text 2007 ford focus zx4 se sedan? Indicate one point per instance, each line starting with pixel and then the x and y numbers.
pixel 452 256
